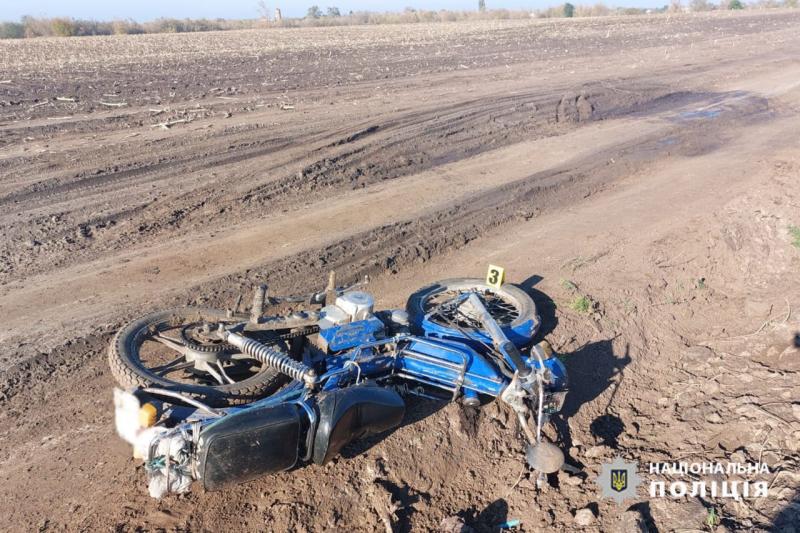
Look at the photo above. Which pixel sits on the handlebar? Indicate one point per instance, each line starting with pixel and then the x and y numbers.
pixel 499 339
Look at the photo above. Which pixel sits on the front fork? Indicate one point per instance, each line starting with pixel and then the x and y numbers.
pixel 543 456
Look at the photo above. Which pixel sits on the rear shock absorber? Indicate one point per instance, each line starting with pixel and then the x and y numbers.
pixel 273 357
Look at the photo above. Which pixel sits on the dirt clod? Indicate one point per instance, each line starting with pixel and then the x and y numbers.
pixel 584 517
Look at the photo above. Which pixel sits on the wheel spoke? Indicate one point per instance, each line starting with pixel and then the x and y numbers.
pixel 169 365
pixel 170 339
pixel 235 357
pixel 223 374
pixel 169 342
pixel 182 366
pixel 241 363
pixel 207 368
pixel 502 310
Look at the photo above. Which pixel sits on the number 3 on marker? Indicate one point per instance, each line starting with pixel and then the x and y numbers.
pixel 495 276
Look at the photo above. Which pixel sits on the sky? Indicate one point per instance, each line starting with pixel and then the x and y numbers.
pixel 143 10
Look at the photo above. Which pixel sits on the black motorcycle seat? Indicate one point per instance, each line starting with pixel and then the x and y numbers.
pixel 349 414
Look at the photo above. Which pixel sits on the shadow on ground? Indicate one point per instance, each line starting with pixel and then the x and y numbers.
pixel 788 519
pixel 405 497
pixel 592 369
pixel 417 409
pixel 545 307
pixel 487 520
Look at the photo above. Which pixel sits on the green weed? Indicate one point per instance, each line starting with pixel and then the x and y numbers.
pixel 581 304
pixel 712 519
pixel 794 233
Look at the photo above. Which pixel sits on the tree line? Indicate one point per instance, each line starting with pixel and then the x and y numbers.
pixel 332 16
pixel 69 27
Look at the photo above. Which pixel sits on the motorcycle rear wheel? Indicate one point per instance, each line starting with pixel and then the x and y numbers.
pixel 127 359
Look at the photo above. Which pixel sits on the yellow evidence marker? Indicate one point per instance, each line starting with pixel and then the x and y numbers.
pixel 495 276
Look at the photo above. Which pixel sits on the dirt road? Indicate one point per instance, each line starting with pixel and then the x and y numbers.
pixel 645 165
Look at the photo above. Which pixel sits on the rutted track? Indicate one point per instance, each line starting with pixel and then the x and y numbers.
pixel 67 216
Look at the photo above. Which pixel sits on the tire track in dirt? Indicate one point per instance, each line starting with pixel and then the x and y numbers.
pixel 417 240
pixel 350 157
pixel 181 198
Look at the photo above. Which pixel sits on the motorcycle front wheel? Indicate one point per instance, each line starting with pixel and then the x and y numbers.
pixel 512 308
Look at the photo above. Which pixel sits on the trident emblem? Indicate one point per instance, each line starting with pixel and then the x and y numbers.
pixel 619 480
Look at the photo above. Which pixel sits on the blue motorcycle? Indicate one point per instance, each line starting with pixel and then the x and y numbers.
pixel 224 397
